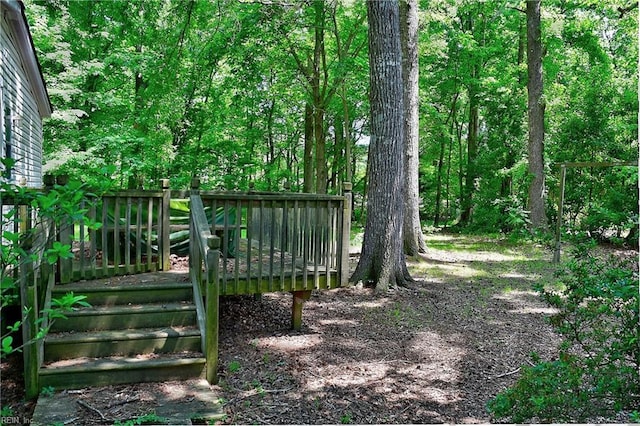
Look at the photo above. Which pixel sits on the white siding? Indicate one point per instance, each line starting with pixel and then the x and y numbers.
pixel 16 95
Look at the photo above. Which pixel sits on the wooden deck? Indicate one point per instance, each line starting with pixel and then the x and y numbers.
pixel 238 243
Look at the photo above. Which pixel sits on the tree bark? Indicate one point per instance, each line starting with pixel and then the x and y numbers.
pixel 309 182
pixel 319 98
pixel 382 260
pixel 413 238
pixel 472 154
pixel 443 138
pixel 536 107
pixel 473 90
pixel 347 136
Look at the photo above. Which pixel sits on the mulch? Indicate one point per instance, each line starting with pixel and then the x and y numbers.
pixel 434 352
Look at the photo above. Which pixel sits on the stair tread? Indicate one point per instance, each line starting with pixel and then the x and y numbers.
pixel 85 365
pixel 89 286
pixel 133 308
pixel 130 334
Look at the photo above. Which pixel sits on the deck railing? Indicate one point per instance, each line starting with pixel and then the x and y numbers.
pixel 244 243
pixel 34 277
pixel 204 257
pixel 261 242
pixel 269 240
pixel 132 236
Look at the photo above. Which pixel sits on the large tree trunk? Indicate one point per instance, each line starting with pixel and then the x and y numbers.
pixel 319 100
pixel 309 182
pixel 536 108
pixel 472 154
pixel 382 260
pixel 443 138
pixel 413 237
pixel 438 202
pixel 347 137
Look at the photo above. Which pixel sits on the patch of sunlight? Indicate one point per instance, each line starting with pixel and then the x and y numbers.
pixel 517 298
pixel 480 247
pixel 456 269
pixel 534 310
pixel 339 322
pixel 380 303
pixel 515 295
pixel 348 374
pixel 289 343
pixel 517 275
pixel 439 357
pixel 470 243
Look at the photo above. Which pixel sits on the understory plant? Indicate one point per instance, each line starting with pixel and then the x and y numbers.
pixel 597 371
pixel 60 206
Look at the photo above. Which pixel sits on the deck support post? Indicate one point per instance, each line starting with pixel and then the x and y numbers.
pixel 299 297
pixel 164 237
pixel 346 234
pixel 212 308
pixel 29 299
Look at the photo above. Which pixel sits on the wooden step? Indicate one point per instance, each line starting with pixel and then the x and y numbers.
pixel 79 373
pixel 123 317
pixel 123 294
pixel 59 346
pixel 133 332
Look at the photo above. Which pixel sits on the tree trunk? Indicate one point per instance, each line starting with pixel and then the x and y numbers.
pixel 318 100
pixel 413 237
pixel 536 108
pixel 472 154
pixel 321 151
pixel 336 176
pixel 347 136
pixel 271 146
pixel 308 183
pixel 382 260
pixel 443 139
pixel 438 202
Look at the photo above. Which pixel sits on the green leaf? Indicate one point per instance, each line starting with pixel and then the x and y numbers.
pixel 7 345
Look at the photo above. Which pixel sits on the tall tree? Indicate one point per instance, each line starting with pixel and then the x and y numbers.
pixel 382 260
pixel 476 29
pixel 413 239
pixel 536 108
pixel 323 77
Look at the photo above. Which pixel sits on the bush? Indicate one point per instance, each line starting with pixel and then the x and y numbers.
pixel 55 205
pixel 597 373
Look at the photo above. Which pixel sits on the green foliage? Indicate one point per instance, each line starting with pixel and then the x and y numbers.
pixel 597 373
pixel 547 392
pixel 346 419
pixel 150 90
pixel 234 366
pixel 57 206
pixel 146 419
pixel 47 391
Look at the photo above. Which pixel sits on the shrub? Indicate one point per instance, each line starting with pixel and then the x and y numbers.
pixel 55 205
pixel 597 373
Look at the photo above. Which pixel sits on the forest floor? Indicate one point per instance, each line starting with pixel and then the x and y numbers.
pixel 436 351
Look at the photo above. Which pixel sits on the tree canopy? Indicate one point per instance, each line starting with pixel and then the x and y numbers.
pixel 275 92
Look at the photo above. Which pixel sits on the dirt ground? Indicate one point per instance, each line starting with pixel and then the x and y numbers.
pixel 434 352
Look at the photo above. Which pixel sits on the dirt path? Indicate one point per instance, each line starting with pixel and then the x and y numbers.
pixel 435 352
pixel 432 353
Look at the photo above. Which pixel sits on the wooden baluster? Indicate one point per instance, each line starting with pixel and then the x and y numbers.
pixel 346 235
pixel 213 299
pixel 164 239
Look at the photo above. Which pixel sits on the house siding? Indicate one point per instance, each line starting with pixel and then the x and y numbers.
pixel 19 115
